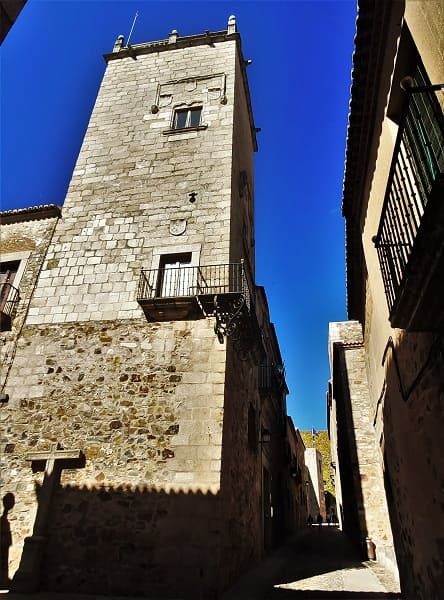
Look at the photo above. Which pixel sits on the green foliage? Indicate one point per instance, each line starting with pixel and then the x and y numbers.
pixel 321 442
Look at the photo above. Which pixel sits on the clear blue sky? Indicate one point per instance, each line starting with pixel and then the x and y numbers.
pixel 51 68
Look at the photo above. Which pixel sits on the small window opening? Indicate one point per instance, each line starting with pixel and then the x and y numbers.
pixel 187 117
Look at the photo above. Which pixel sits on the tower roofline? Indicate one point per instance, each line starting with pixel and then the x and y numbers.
pixel 175 42
pixel 32 213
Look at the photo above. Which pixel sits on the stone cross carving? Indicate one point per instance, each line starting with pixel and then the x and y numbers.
pixel 27 578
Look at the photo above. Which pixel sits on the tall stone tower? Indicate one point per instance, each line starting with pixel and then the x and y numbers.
pixel 146 370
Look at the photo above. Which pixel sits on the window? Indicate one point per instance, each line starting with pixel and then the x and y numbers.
pixel 175 275
pixel 8 292
pixel 187 117
pixel 8 272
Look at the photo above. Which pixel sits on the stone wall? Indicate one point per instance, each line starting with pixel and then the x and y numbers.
pixel 132 181
pixel 26 241
pixel 315 488
pixel 242 543
pixel 365 513
pixel 144 402
pixel 413 421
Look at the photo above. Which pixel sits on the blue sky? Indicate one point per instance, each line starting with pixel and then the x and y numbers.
pixel 51 68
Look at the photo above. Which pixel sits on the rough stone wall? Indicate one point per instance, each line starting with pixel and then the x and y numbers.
pixel 272 419
pixel 300 497
pixel 413 421
pixel 241 469
pixel 363 461
pixel 29 242
pixel 146 409
pixel 334 443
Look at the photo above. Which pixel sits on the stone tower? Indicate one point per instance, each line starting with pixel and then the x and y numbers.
pixel 145 369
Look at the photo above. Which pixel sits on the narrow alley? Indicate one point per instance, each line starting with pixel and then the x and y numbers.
pixel 321 564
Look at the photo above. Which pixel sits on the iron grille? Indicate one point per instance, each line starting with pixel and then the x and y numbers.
pixel 186 281
pixel 417 165
pixel 9 298
pixel 270 377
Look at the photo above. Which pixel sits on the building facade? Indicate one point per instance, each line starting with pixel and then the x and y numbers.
pixel 315 484
pixel 296 492
pixel 388 361
pixel 144 418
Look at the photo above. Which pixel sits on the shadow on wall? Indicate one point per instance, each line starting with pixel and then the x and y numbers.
pixel 352 499
pixel 413 459
pixel 128 541
pixel 5 540
pixel 312 500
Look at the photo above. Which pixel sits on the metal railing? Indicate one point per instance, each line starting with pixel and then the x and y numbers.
pixel 270 377
pixel 418 162
pixel 185 281
pixel 9 298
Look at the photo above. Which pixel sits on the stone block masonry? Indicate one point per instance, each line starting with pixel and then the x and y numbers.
pixel 131 181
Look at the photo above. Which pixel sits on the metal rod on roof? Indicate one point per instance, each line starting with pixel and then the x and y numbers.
pixel 132 27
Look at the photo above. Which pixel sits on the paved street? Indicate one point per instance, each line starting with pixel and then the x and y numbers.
pixel 318 564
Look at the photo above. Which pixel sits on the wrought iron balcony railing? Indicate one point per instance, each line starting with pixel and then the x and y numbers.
pixel 415 185
pixel 9 298
pixel 192 292
pixel 187 281
pixel 271 378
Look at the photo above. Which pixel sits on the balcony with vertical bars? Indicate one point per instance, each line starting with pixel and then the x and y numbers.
pixel 271 379
pixel 410 237
pixel 9 299
pixel 224 291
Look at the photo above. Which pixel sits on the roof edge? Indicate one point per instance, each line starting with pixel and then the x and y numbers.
pixel 32 213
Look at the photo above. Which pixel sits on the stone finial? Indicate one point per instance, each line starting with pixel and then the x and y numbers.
pixel 118 44
pixel 172 39
pixel 231 25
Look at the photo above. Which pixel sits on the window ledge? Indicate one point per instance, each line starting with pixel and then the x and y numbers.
pixel 184 129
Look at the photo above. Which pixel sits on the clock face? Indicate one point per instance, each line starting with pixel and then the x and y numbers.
pixel 178 226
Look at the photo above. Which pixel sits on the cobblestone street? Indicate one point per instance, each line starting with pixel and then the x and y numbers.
pixel 318 564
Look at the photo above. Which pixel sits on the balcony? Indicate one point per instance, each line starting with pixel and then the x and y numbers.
pixel 271 379
pixel 196 292
pixel 9 299
pixel 410 237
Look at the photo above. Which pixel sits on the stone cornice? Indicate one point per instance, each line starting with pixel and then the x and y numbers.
pixel 33 213
pixel 204 39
